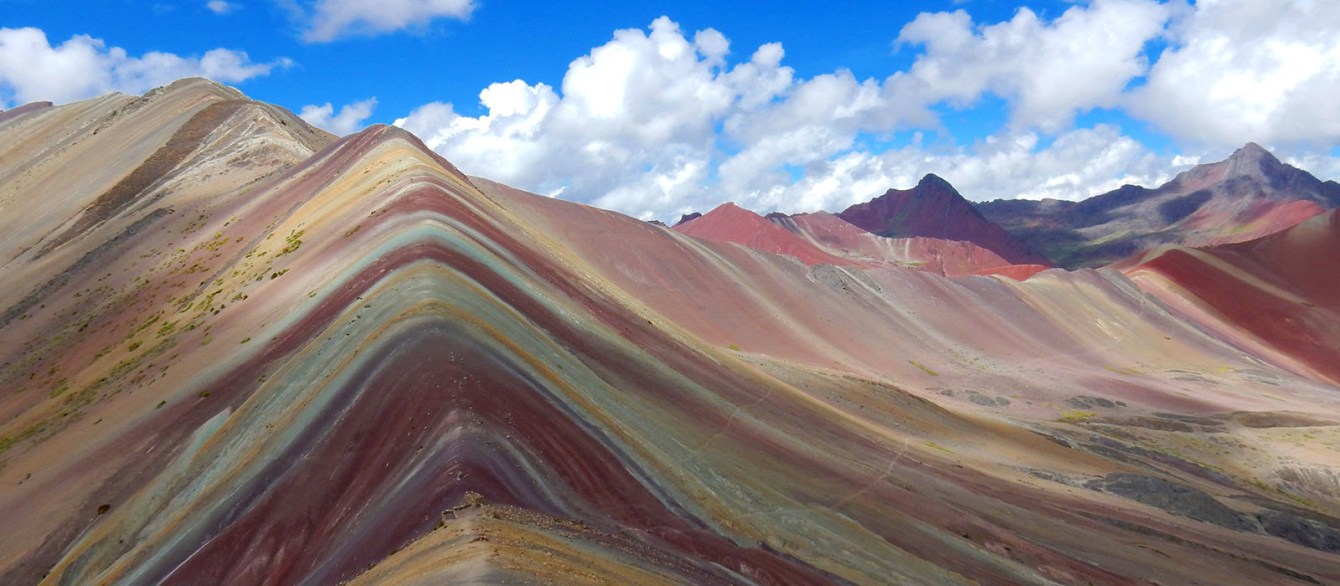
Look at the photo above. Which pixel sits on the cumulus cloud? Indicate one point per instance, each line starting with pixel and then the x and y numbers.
pixel 644 123
pixel 32 69
pixel 1048 71
pixel 1076 164
pixel 633 128
pixel 1239 71
pixel 328 20
pixel 348 120
pixel 221 6
pixel 657 122
pixel 1321 165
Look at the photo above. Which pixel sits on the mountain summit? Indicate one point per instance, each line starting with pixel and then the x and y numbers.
pixel 934 209
pixel 1254 172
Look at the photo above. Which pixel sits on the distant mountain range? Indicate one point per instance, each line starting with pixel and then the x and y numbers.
pixel 1247 196
pixel 823 238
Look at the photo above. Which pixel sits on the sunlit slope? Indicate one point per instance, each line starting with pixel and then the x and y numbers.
pixel 1280 294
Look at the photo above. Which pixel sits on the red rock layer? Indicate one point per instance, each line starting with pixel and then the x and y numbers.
pixel 1283 289
pixel 731 223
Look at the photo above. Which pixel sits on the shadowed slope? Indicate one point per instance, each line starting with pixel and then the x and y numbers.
pixel 29 108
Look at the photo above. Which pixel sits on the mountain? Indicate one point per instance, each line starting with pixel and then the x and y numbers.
pixel 1249 195
pixel 934 209
pixel 823 238
pixel 268 355
pixel 942 257
pixel 731 223
pixel 1256 289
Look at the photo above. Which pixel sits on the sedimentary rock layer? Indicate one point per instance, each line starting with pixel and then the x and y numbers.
pixel 292 359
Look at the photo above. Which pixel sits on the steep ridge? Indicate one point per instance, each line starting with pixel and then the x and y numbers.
pixel 195 140
pixel 1283 289
pixel 935 209
pixel 417 364
pixel 1247 196
pixel 28 108
pixel 367 366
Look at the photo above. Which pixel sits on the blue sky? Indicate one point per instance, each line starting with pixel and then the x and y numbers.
pixel 448 59
pixel 640 106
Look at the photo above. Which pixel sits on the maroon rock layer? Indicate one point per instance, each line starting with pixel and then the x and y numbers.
pixel 934 209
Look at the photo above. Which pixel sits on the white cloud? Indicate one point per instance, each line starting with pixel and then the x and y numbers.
pixel 1077 164
pixel 633 128
pixel 32 69
pixel 1239 71
pixel 221 6
pixel 657 122
pixel 654 124
pixel 347 121
pixel 328 20
pixel 1048 71
pixel 1323 166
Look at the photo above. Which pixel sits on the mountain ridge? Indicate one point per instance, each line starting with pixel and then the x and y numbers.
pixel 1246 196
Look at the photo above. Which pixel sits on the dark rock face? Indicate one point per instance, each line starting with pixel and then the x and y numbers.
pixel 688 217
pixel 1305 532
pixel 1294 525
pixel 1174 498
pixel 1174 210
pixel 1086 402
pixel 935 210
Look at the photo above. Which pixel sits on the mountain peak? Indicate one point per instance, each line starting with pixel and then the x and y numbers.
pixel 731 210
pixel 1251 148
pixel 1252 153
pixel 932 180
pixel 731 223
pixel 200 85
pixel 689 217
pixel 934 209
pixel 1251 161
